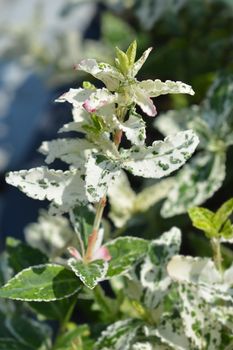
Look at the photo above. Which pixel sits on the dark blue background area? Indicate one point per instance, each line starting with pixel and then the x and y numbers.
pixel 31 118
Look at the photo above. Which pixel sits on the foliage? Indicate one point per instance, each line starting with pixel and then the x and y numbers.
pixel 162 300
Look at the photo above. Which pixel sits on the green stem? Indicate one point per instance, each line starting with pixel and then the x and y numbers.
pixel 63 324
pixel 216 246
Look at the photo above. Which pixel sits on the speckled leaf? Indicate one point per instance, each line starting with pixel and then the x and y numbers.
pixel 171 332
pixel 162 158
pixel 125 251
pixel 153 275
pixel 118 336
pixel 200 324
pixel 195 183
pixel 41 283
pixel 70 151
pixel 89 273
pixel 64 189
pixel 100 172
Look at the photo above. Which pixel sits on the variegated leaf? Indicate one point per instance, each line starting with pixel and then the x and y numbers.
pixel 200 324
pixel 108 74
pixel 171 332
pixel 134 129
pixel 118 336
pixel 89 273
pixel 156 87
pixel 98 99
pixel 71 151
pixel 41 283
pixel 75 96
pixel 195 183
pixel 100 172
pixel 139 63
pixel 162 158
pixel 64 189
pixel 125 252
pixel 153 275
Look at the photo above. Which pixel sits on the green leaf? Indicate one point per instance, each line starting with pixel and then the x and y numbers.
pixel 74 338
pixel 82 218
pixel 41 283
pixel 122 61
pixel 202 219
pixel 162 158
pixel 195 183
pixel 222 214
pixel 22 256
pixel 131 53
pixel 227 230
pixel 125 251
pixel 89 273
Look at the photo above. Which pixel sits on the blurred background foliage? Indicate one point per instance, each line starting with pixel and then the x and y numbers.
pixel 40 41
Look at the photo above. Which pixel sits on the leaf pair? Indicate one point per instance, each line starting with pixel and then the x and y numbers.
pixel 215 225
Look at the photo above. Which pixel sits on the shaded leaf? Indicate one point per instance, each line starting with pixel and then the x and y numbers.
pixel 41 283
pixel 125 251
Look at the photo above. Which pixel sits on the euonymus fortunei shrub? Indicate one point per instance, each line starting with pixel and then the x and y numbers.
pixel 163 300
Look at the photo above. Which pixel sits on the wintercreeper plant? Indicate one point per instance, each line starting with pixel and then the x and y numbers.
pixel 96 160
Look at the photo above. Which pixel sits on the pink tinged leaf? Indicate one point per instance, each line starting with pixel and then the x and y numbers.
pixel 88 107
pixel 144 101
pixel 73 251
pixel 102 253
pixel 98 99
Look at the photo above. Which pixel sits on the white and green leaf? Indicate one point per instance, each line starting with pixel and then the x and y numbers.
pixel 108 74
pixel 195 183
pixel 89 273
pixel 41 283
pixel 64 189
pixel 70 151
pixel 125 251
pixel 162 158
pixel 100 172
pixel 156 87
